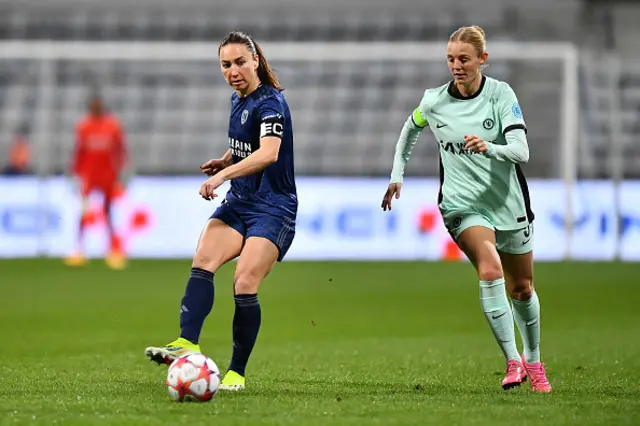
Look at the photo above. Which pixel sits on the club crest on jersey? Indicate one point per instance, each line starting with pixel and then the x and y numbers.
pixel 245 115
pixel 488 124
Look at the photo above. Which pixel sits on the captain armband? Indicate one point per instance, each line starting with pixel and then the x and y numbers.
pixel 272 127
pixel 418 120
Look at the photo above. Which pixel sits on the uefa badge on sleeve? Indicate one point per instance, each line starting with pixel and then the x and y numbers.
pixel 515 109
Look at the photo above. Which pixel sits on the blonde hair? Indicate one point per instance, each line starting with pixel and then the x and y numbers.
pixel 473 35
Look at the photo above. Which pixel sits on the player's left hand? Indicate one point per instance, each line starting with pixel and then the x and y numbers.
pixel 475 144
pixel 208 188
pixel 213 166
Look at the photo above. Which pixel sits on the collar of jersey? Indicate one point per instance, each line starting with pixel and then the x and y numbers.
pixel 456 94
pixel 254 93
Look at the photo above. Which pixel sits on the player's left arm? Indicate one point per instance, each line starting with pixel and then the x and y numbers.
pixel 121 159
pixel 513 128
pixel 122 164
pixel 271 116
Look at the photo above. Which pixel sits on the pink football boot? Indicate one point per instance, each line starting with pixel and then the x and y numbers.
pixel 539 382
pixel 516 374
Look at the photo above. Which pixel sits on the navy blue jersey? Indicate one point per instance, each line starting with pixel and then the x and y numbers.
pixel 264 113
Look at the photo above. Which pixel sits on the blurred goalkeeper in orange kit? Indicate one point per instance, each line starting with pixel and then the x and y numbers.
pixel 98 164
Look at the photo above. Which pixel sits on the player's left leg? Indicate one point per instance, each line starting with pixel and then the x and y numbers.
pixel 115 258
pixel 257 258
pixel 77 258
pixel 516 253
pixel 267 243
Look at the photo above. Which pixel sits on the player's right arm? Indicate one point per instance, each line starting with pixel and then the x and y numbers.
pixel 414 124
pixel 411 130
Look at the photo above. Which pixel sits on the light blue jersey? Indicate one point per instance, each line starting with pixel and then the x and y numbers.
pixel 490 184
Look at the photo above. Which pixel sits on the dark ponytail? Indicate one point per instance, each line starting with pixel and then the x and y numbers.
pixel 265 73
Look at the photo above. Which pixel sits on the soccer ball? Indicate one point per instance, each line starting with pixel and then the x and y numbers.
pixel 193 377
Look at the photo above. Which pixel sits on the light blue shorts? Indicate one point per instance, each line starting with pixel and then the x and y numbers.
pixel 516 241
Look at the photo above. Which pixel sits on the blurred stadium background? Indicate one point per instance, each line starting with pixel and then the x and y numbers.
pixel 571 63
pixel 347 342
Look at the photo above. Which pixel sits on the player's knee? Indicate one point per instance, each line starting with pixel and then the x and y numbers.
pixel 489 271
pixel 206 261
pixel 246 282
pixel 522 288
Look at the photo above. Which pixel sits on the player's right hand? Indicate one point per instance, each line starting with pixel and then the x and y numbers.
pixel 392 190
pixel 212 167
pixel 208 188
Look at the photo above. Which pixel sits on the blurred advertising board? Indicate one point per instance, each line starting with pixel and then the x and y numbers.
pixel 338 219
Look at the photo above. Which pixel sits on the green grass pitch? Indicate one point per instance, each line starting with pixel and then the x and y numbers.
pixel 341 344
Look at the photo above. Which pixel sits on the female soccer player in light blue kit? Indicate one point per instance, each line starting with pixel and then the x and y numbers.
pixel 483 197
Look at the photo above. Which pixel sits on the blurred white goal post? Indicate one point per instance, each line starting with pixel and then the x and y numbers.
pixel 564 53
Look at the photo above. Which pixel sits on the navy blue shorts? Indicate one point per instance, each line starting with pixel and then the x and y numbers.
pixel 280 230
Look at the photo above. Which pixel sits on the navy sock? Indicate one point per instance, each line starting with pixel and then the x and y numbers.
pixel 196 304
pixel 246 324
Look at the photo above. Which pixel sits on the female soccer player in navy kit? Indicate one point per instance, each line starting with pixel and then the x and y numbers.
pixel 256 220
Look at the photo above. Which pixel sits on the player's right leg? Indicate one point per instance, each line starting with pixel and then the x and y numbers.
pixel 115 258
pixel 476 238
pixel 516 253
pixel 219 243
